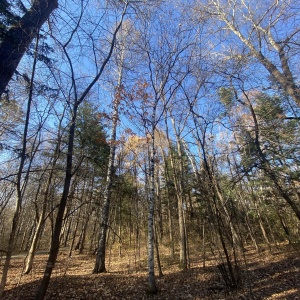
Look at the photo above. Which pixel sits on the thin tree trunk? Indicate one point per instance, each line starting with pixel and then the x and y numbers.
pixel 178 182
pixel 170 217
pixel 247 221
pixel 171 230
pixel 74 234
pixel 100 258
pixel 85 226
pixel 203 245
pixel 39 227
pixel 83 235
pixel 160 273
pixel 152 289
pixel 260 221
pixel 19 186
pixel 120 226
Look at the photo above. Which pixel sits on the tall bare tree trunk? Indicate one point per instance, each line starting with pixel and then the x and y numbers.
pixel 177 178
pixel 100 258
pixel 170 217
pixel 152 289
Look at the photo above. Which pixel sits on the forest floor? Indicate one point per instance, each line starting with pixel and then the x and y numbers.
pixel 264 276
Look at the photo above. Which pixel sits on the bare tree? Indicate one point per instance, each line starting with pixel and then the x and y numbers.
pixel 259 26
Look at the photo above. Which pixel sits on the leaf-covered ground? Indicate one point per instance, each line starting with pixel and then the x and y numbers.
pixel 264 276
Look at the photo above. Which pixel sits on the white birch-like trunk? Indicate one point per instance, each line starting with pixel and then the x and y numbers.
pixel 100 258
pixel 151 276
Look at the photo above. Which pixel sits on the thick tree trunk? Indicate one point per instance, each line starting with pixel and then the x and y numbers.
pixel 20 36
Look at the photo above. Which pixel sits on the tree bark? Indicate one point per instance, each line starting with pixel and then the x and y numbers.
pixel 20 36
pixel 152 289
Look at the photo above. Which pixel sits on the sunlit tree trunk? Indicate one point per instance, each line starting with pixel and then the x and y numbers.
pixel 159 267
pixel 151 203
pixel 169 205
pixel 100 258
pixel 177 179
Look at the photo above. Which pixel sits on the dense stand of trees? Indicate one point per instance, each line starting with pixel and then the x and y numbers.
pixel 145 120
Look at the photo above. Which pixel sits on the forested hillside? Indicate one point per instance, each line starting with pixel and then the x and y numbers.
pixel 162 136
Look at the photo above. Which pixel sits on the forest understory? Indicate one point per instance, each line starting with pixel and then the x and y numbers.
pixel 271 274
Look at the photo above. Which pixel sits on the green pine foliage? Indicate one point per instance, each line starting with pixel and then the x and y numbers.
pixel 91 137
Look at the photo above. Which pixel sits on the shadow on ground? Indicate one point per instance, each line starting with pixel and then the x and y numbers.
pixel 272 280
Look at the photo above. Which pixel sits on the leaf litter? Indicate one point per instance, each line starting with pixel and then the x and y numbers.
pixel 265 276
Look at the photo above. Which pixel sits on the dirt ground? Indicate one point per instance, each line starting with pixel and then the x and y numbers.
pixel 264 276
